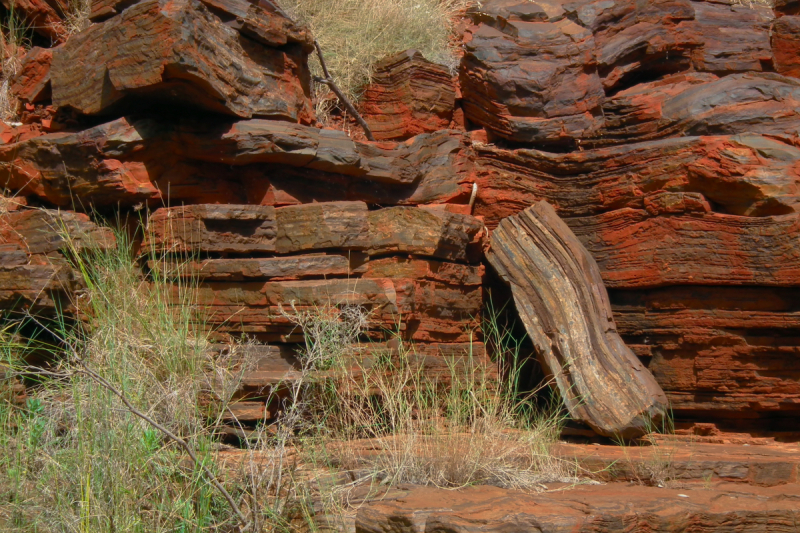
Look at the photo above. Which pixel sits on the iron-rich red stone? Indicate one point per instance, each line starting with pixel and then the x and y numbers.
pixel 180 54
pixel 727 352
pixel 748 175
pixel 786 45
pixel 32 83
pixel 702 104
pixel 33 272
pixel 128 162
pixel 408 95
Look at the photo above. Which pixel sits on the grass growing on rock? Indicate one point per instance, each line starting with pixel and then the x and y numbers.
pixel 78 459
pixel 356 34
pixel 354 416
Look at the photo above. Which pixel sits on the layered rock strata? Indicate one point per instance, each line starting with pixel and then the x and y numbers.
pixel 415 270
pixel 408 95
pixel 192 58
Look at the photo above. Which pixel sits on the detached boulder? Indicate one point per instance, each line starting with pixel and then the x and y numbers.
pixel 561 299
pixel 179 53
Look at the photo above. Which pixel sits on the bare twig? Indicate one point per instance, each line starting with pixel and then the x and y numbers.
pixel 328 80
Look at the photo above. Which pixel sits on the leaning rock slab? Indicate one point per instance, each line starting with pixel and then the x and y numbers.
pixel 179 52
pixel 561 299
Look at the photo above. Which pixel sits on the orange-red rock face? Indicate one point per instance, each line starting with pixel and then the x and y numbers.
pixel 786 45
pixel 408 95
pixel 666 133
pixel 415 270
pixel 192 58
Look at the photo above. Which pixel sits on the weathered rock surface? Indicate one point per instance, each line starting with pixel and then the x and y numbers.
pixel 408 95
pixel 731 351
pixel 697 239
pixel 127 161
pixel 748 175
pixel 702 104
pixel 33 272
pixel 347 226
pixel 192 58
pixel 366 264
pixel 530 81
pixel 603 509
pixel 746 250
pixel 636 40
pixel 561 300
pixel 32 83
pixel 786 45
pixel 786 7
pixel 736 38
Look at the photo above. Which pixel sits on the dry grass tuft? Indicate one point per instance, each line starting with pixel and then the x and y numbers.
pixel 355 34
pixel 13 45
pixel 76 19
pixel 452 428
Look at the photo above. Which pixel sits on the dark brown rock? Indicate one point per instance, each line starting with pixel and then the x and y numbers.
pixel 747 175
pixel 561 299
pixel 103 69
pixel 419 310
pixel 735 37
pixel 702 104
pixel 128 162
pixel 408 95
pixel 636 40
pixel 313 227
pixel 786 7
pixel 530 81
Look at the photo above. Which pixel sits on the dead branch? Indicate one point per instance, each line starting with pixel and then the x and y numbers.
pixel 328 80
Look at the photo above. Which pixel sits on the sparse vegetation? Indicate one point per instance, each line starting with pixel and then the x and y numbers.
pixel 80 459
pixel 76 19
pixel 13 45
pixel 355 34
